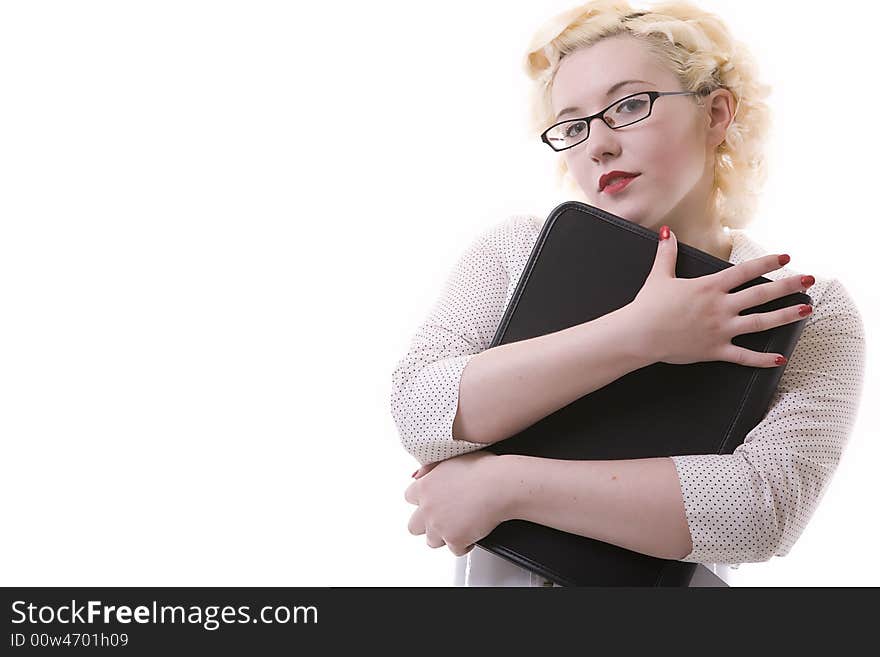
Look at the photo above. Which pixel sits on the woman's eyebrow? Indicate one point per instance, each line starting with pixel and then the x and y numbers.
pixel 607 94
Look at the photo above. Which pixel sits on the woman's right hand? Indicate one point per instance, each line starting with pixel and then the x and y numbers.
pixel 692 320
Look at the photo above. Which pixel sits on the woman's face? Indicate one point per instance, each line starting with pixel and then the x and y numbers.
pixel 672 149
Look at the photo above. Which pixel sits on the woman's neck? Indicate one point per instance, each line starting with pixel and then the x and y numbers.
pixel 716 242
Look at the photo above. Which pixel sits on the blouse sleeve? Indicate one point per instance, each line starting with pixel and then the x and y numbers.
pixel 462 323
pixel 754 504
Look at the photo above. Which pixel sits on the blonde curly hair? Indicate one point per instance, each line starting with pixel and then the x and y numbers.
pixel 700 50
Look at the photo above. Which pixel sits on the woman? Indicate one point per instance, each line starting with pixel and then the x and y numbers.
pixel 689 166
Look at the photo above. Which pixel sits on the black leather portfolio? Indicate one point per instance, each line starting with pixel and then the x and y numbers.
pixel 586 263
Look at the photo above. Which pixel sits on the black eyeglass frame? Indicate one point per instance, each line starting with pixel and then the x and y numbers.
pixel 653 94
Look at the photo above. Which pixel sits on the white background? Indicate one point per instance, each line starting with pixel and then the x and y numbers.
pixel 223 221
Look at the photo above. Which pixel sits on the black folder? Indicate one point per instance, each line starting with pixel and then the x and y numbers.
pixel 586 263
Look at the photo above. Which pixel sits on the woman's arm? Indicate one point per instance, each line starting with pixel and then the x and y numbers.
pixel 460 324
pixel 452 395
pixel 509 388
pixel 748 506
pixel 633 503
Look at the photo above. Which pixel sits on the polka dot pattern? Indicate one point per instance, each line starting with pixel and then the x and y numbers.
pixel 743 507
pixel 462 323
pixel 752 505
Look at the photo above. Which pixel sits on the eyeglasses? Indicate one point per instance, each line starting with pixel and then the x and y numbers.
pixel 626 111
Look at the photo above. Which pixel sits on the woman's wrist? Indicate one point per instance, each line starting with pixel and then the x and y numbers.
pixel 632 339
pixel 504 488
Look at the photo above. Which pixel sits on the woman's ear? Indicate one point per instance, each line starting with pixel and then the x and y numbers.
pixel 720 111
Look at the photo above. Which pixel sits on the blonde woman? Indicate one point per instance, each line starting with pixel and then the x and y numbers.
pixel 657 117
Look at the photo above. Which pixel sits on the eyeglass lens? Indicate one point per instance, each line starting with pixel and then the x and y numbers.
pixel 571 133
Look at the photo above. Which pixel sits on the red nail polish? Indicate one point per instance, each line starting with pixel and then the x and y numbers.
pixel 807 281
pixel 416 472
pixel 805 310
pixel 781 360
pixel 664 233
pixel 784 259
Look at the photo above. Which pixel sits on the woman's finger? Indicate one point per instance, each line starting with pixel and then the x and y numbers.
pixel 433 539
pixel 459 551
pixel 416 524
pixel 758 295
pixel 731 278
pixel 757 322
pixel 425 469
pixel 749 358
pixel 410 493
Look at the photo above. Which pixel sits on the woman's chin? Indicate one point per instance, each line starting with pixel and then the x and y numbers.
pixel 627 211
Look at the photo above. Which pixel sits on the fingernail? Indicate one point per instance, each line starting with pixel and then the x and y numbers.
pixel 807 281
pixel 781 360
pixel 784 259
pixel 415 473
pixel 664 233
pixel 805 310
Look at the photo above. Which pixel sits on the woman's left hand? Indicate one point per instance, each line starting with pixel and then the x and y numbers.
pixel 459 501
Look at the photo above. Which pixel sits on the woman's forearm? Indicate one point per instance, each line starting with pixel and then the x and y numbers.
pixel 632 503
pixel 510 387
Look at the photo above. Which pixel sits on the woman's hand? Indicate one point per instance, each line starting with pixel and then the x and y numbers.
pixel 459 501
pixel 691 320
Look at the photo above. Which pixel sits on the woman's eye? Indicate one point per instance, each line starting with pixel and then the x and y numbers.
pixel 635 104
pixel 574 130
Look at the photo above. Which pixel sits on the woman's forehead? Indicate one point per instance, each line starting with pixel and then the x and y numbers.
pixel 598 74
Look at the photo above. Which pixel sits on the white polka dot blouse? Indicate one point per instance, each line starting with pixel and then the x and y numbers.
pixel 748 506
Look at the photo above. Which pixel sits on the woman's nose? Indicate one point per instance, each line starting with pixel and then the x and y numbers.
pixel 603 141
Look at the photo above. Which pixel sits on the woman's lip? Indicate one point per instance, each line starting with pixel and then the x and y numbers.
pixel 619 186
